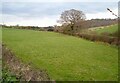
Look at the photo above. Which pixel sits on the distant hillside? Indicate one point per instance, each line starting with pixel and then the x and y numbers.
pixel 96 23
pixel 111 30
pixel 108 29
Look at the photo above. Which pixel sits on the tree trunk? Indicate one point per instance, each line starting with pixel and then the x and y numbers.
pixel 72 27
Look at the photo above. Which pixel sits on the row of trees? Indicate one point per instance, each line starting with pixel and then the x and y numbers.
pixel 49 28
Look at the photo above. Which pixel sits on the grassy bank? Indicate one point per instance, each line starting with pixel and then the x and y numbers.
pixel 63 57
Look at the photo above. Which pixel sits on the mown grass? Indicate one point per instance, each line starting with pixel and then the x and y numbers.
pixel 63 57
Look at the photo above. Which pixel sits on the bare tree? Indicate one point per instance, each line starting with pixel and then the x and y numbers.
pixel 71 17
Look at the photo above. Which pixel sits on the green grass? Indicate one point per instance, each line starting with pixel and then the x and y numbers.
pixel 7 76
pixel 0 53
pixel 63 57
pixel 0 34
pixel 109 29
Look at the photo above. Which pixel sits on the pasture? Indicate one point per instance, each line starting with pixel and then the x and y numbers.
pixel 63 57
pixel 108 29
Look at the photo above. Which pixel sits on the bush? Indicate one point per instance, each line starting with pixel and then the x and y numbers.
pixel 93 37
pixel 105 34
pixel 114 34
pixel 50 29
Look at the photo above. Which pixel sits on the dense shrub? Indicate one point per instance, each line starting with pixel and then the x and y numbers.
pixel 101 38
pixel 50 29
pixel 105 33
pixel 115 34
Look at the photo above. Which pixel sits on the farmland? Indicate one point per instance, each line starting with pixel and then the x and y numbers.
pixel 109 29
pixel 63 57
pixel 105 29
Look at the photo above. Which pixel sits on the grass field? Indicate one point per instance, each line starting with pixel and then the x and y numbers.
pixel 0 53
pixel 0 35
pixel 108 29
pixel 63 57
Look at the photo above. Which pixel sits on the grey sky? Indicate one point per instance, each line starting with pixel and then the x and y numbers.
pixel 41 10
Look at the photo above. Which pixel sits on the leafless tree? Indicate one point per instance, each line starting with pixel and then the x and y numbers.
pixel 71 17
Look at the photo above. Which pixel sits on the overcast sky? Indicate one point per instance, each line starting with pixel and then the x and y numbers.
pixel 37 13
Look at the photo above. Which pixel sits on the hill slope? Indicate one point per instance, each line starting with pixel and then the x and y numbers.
pixel 63 57
pixel 108 29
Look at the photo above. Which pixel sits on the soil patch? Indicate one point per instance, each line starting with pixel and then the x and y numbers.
pixel 22 71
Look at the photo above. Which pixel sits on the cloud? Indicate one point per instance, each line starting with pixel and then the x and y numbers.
pixel 30 9
pixel 36 9
pixel 46 13
pixel 59 1
pixel 103 15
pixel 30 21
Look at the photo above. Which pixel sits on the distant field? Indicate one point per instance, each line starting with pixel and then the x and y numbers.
pixel 108 29
pixel 0 52
pixel 0 34
pixel 63 57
